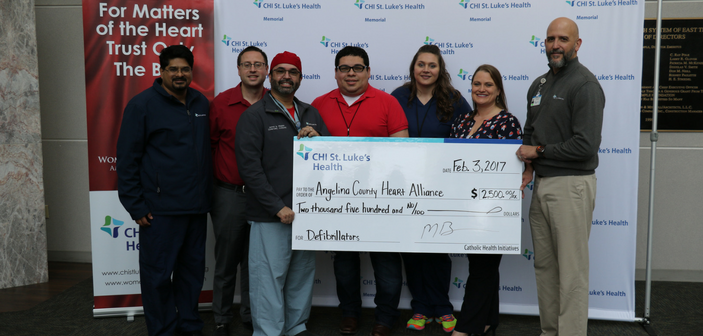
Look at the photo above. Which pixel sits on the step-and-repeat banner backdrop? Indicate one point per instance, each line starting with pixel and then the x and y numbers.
pixel 123 40
pixel 508 35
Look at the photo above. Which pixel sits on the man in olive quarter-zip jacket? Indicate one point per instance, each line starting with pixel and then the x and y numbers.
pixel 164 171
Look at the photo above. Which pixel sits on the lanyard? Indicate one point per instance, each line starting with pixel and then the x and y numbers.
pixel 417 117
pixel 345 119
pixel 295 121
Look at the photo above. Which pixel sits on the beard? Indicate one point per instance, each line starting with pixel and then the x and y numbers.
pixel 561 62
pixel 276 86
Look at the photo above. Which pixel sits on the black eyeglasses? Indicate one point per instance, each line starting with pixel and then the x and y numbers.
pixel 291 72
pixel 257 65
pixel 357 68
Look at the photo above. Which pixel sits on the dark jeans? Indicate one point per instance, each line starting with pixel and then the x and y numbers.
pixel 429 277
pixel 389 282
pixel 231 246
pixel 481 301
pixel 172 270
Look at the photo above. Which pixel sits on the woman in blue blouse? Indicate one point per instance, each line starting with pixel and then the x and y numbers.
pixel 431 104
pixel 489 120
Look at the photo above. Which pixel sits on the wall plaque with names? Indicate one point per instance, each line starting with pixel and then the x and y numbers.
pixel 680 81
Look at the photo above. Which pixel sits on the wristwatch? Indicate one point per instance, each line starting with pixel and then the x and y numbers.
pixel 540 151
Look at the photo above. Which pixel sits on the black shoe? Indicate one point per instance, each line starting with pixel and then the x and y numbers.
pixel 222 329
pixel 305 333
pixel 490 331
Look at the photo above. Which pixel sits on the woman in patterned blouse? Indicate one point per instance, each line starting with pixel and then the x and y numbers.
pixel 490 119
pixel 490 109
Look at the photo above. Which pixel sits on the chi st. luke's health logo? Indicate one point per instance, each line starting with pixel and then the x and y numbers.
pixel 226 40
pixel 257 3
pixel 457 282
pixel 534 41
pixel 325 41
pixel 304 151
pixel 462 74
pixel 359 3
pixel 112 226
pixel 464 3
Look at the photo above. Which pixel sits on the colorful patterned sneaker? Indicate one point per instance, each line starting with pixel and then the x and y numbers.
pixel 417 322
pixel 448 322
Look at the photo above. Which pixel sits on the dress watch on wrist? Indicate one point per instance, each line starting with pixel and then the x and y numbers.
pixel 540 151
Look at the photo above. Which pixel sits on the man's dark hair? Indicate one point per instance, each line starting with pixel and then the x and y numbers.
pixel 175 51
pixel 351 51
pixel 252 48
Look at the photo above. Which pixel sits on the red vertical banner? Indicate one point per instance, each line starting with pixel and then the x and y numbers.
pixel 123 39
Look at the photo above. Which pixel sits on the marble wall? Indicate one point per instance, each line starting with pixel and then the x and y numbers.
pixel 23 256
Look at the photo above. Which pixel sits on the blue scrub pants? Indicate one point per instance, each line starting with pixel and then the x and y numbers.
pixel 280 280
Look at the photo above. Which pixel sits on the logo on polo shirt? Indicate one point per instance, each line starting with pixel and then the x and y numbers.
pixel 457 282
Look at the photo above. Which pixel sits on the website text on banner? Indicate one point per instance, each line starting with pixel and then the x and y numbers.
pixel 412 195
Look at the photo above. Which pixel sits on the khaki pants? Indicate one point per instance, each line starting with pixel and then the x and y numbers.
pixel 560 218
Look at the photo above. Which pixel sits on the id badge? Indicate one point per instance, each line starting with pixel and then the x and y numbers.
pixel 536 100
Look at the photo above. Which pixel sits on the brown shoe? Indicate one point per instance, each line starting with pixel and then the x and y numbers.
pixel 349 326
pixel 380 330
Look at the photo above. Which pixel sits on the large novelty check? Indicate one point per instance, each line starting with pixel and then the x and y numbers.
pixel 407 195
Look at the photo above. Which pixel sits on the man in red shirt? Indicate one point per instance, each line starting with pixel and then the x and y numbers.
pixel 229 201
pixel 355 108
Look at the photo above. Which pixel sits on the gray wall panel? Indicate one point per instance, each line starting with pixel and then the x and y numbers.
pixel 68 225
pixel 61 72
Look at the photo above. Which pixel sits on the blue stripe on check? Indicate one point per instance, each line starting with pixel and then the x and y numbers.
pixel 485 141
pixel 414 140
pixel 372 139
